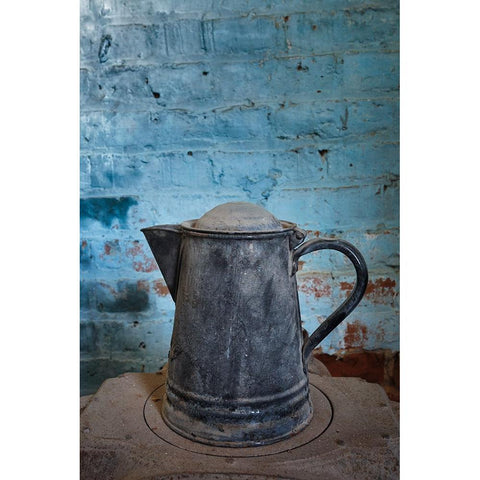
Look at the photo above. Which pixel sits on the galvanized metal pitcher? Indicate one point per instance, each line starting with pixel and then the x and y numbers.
pixel 237 366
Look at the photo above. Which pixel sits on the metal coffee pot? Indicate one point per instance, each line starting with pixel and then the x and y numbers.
pixel 237 366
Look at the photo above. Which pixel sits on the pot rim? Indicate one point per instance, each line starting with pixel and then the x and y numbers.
pixel 287 227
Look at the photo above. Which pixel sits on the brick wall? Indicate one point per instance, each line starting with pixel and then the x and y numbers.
pixel 187 104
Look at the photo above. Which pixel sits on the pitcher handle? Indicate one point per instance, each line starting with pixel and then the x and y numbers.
pixel 353 299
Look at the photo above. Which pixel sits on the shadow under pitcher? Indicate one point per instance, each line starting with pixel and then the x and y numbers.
pixel 237 366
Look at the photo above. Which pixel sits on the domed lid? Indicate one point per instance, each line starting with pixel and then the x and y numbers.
pixel 238 217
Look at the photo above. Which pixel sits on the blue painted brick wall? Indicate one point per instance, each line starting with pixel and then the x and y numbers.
pixel 186 104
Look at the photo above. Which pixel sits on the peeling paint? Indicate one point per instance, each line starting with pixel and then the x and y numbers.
pixel 137 249
pixel 160 288
pixel 149 265
pixel 315 286
pixel 381 290
pixel 143 285
pixel 355 335
pixel 145 263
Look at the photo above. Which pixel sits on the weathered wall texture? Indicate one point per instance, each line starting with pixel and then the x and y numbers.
pixel 187 104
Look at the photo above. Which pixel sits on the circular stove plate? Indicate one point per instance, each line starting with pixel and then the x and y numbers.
pixel 322 417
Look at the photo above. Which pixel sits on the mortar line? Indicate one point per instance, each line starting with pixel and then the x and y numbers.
pixel 239 58
pixel 171 17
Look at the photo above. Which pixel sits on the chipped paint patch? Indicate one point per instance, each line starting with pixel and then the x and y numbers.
pixel 160 288
pixel 142 262
pixel 315 286
pixel 146 266
pixel 143 285
pixel 111 247
pixel 355 334
pixel 381 290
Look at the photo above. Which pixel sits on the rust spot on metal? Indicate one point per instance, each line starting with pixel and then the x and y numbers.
pixel 107 248
pixel 84 243
pixel 301 263
pixel 355 334
pixel 160 288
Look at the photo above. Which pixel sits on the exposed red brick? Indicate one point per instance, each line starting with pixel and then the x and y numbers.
pixel 143 285
pixel 135 250
pixel 381 286
pixel 110 248
pixel 148 265
pixel 347 286
pixel 315 286
pixel 375 366
pixel 355 334
pixel 160 288
pixel 382 290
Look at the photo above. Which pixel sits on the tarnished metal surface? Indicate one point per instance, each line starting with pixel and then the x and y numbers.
pixel 237 371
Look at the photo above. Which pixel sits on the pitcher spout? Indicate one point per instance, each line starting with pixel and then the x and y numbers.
pixel 165 242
